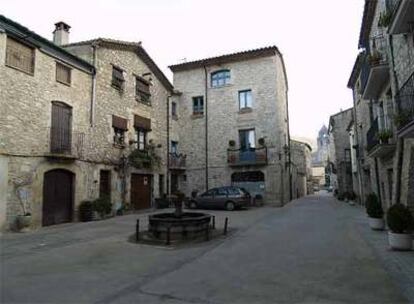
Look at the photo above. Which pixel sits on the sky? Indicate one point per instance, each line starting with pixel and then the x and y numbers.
pixel 318 38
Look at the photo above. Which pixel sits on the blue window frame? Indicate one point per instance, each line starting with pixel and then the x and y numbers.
pixel 245 99
pixel 220 78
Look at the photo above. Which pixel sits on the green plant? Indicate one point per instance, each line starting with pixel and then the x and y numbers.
pixel 400 219
pixel 262 141
pixel 374 57
pixel 102 205
pixel 147 158
pixel 232 143
pixel 384 135
pixel 341 196
pixel 385 19
pixel 373 206
pixel 401 119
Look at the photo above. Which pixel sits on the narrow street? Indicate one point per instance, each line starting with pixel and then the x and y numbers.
pixel 313 250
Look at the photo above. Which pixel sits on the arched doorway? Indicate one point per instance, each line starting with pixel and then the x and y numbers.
pixel 252 181
pixel 58 193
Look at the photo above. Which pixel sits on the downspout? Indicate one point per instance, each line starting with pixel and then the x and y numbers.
pixel 400 143
pixel 288 143
pixel 361 189
pixel 93 98
pixel 206 123
pixel 378 181
pixel 168 145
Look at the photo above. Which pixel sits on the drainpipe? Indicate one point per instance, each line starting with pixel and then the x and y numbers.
pixel 206 124
pixel 361 189
pixel 378 181
pixel 93 99
pixel 288 135
pixel 168 145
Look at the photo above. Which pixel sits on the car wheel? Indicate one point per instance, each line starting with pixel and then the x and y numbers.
pixel 230 206
pixel 193 205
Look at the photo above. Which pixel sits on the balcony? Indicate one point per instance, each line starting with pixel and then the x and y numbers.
pixel 65 144
pixel 377 147
pixel 177 161
pixel 402 18
pixel 378 73
pixel 405 104
pixel 249 157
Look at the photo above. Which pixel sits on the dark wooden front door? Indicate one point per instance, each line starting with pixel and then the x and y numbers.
pixel 105 183
pixel 140 191
pixel 58 191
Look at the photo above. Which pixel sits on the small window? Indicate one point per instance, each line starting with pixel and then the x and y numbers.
pixel 119 136
pixel 198 105
pixel 118 78
pixel 245 99
pixel 63 73
pixel 220 78
pixel 210 192
pixel 174 109
pixel 174 147
pixel 20 56
pixel 348 155
pixel 142 90
pixel 141 139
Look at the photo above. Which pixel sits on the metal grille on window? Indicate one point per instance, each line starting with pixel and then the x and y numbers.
pixel 20 56
pixel 117 78
pixel 63 73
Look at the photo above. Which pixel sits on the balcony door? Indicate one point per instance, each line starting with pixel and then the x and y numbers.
pixel 61 129
pixel 247 139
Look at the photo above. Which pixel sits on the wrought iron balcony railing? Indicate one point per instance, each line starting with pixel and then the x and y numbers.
pixel 247 157
pixel 378 51
pixel 372 135
pixel 177 161
pixel 405 104
pixel 65 142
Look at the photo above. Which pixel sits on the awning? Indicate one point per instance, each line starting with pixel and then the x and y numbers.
pixel 119 122
pixel 142 122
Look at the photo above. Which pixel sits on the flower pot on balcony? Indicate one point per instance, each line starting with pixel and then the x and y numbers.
pixel 376 223
pixel 400 241
pixel 23 221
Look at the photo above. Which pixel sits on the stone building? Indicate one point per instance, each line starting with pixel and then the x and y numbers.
pixel 382 81
pixel 45 93
pixel 301 168
pixel 233 121
pixel 320 156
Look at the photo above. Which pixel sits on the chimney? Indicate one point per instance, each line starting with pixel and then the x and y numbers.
pixel 61 33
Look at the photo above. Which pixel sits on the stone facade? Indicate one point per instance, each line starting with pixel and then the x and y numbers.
pixel 301 168
pixel 265 77
pixel 338 127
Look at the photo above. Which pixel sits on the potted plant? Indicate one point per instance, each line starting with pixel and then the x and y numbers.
pixel 401 119
pixel 232 143
pixel 375 212
pixel 384 19
pixel 102 207
pixel 262 141
pixel 401 222
pixel 374 58
pixel 86 209
pixel 384 135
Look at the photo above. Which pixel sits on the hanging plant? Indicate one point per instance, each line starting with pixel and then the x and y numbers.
pixel 147 158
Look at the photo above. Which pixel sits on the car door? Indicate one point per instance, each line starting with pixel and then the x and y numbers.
pixel 220 198
pixel 205 200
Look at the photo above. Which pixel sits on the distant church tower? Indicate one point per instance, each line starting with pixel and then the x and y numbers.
pixel 321 154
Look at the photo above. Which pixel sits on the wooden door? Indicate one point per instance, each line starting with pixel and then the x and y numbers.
pixel 61 130
pixel 58 192
pixel 140 191
pixel 105 183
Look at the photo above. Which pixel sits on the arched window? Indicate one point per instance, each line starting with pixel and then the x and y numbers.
pixel 220 78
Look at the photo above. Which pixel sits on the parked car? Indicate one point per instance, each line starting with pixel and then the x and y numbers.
pixel 228 198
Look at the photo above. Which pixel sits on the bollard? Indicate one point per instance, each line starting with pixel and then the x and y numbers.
pixel 214 222
pixel 226 222
pixel 207 233
pixel 137 231
pixel 168 236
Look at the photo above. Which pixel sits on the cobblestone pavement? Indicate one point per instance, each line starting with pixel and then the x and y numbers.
pixel 313 250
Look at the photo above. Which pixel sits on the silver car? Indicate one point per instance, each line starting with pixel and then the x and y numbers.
pixel 228 198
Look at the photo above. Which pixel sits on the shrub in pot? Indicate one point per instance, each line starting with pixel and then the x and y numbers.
pixel 102 206
pixel 23 221
pixel 86 209
pixel 401 223
pixel 375 212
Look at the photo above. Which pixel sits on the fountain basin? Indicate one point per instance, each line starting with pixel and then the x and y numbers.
pixel 190 225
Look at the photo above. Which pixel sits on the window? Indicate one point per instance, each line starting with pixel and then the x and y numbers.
pixel 63 73
pixel 120 127
pixel 142 90
pixel 245 99
pixel 61 128
pixel 174 109
pixel 20 56
pixel 210 192
pixel 174 147
pixel 198 105
pixel 141 139
pixel 118 78
pixel 220 78
pixel 247 139
pixel 348 155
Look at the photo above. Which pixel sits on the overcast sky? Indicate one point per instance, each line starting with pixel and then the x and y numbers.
pixel 318 38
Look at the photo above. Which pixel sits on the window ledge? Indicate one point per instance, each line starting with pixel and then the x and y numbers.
pixel 245 110
pixel 222 86
pixel 120 90
pixel 62 82
pixel 197 116
pixel 119 146
pixel 147 103
pixel 20 70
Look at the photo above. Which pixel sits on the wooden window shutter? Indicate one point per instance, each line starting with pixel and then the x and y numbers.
pixel 63 73
pixel 142 123
pixel 119 123
pixel 20 56
pixel 143 86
